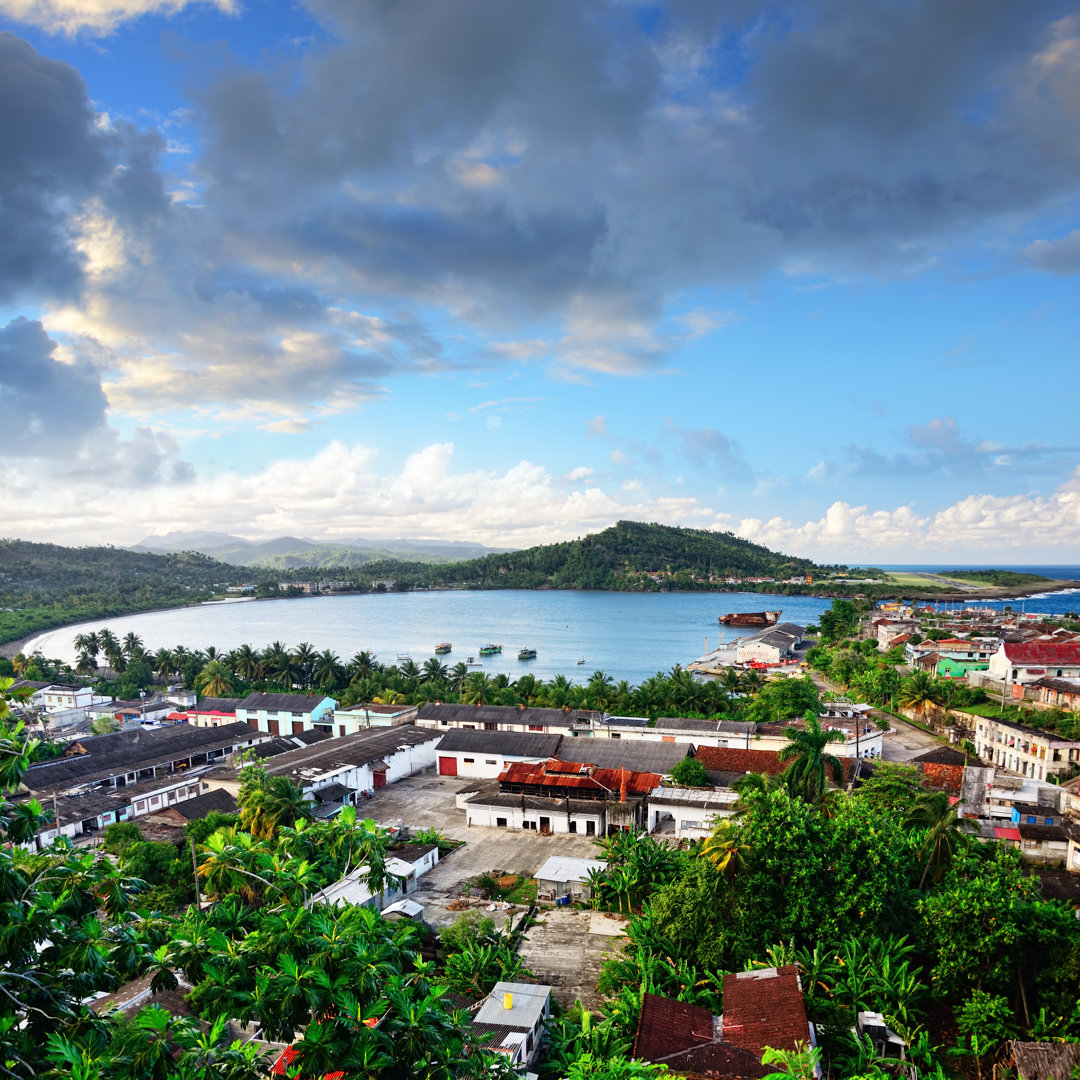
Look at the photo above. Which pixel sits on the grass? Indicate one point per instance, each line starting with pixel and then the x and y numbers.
pixel 921 581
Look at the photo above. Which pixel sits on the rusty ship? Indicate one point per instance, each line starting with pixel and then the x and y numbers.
pixel 750 618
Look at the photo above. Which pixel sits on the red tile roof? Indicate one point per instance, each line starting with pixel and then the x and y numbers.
pixel 1003 833
pixel 765 1008
pixel 573 774
pixel 667 1026
pixel 280 1067
pixel 1046 653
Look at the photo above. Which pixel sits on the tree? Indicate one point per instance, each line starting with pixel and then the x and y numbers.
pixel 805 750
pixel 943 831
pixel 269 803
pixel 690 773
pixel 919 692
pixel 726 850
pixel 213 680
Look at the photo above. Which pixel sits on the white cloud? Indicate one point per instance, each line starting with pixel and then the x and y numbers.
pixel 95 16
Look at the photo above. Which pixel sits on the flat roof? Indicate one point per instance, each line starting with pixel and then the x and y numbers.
pixel 528 1004
pixel 568 868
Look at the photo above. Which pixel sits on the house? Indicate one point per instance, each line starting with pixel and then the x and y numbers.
pixel 512 1020
pixel 1024 750
pixel 1033 814
pixel 213 712
pixel 765 1008
pixel 1018 664
pixel 134 996
pixel 770 646
pixel 1046 843
pixel 485 754
pixel 1038 1061
pixel 362 717
pixel 689 1039
pixel 406 865
pixel 563 797
pixel 287 714
pixel 692 812
pixel 361 762
pixel 520 718
pixel 562 875
pixel 1061 693
pixel 217 801
pixel 123 758
pixel 889 631
pixel 56 697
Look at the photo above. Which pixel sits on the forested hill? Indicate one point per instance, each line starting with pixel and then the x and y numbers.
pixel 45 585
pixel 623 557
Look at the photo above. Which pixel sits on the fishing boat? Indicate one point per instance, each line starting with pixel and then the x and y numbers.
pixel 442 647
pixel 581 661
pixel 490 650
pixel 526 654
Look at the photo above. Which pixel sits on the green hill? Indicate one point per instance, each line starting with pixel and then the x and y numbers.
pixel 630 555
pixel 46 585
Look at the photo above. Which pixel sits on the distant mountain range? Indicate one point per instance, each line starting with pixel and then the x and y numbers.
pixel 292 552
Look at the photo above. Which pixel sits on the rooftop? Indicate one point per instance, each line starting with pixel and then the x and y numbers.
pixel 765 1008
pixel 568 868
pixel 528 1004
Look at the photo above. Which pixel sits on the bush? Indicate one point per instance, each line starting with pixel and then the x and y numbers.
pixel 120 837
pixel 690 773
pixel 469 928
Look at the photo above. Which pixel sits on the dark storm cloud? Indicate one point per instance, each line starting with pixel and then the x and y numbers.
pixel 53 156
pixel 628 152
pixel 48 406
pixel 57 411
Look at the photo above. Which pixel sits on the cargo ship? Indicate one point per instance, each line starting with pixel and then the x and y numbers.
pixel 750 618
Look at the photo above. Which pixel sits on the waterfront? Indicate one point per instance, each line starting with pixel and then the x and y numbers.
pixel 629 636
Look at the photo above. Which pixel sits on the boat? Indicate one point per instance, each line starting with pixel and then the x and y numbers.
pixel 526 654
pixel 442 647
pixel 750 618
pixel 581 661
pixel 490 650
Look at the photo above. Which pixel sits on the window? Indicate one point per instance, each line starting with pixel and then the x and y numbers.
pixel 529 825
pixel 1030 820
pixel 500 823
pixel 616 735
pixel 573 826
pixel 444 723
pixel 536 727
pixel 490 761
pixel 468 761
pixel 298 714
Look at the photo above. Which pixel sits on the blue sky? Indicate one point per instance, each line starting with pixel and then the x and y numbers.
pixel 509 272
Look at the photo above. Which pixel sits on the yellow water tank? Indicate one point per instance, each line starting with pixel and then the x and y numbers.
pixel 508 1000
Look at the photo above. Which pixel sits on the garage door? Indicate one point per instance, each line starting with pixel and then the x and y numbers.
pixel 448 766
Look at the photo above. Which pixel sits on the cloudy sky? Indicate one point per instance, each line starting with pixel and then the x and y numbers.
pixel 509 271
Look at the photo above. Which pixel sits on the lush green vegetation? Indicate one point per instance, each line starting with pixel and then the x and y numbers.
pixel 1002 578
pixel 882 899
pixel 45 585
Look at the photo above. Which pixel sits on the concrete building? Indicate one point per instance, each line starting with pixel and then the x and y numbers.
pixel 346 765
pixel 287 714
pixel 513 1017
pixel 1022 750
pixel 691 813
pixel 1017 664
pixel 564 875
pixel 485 754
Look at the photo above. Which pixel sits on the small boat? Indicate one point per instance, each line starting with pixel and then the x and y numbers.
pixel 490 650
pixel 442 647
pixel 581 661
pixel 526 654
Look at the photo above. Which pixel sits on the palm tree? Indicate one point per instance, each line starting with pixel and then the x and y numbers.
pixel 279 666
pixel 809 761
pixel 304 657
pixel 933 811
pixel 476 690
pixel 434 670
pixel 88 643
pixel 247 664
pixel 213 680
pixel 162 663
pixel 133 647
pixel 107 641
pixel 599 690
pixel 919 692
pixel 726 851
pixel 327 670
pixel 87 665
pixel 755 782
pixel 363 665
pixel 457 674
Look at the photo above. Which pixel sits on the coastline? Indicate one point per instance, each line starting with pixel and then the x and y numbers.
pixel 10 648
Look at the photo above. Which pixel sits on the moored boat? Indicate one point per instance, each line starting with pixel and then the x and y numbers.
pixel 443 647
pixel 750 618
pixel 490 650
pixel 526 654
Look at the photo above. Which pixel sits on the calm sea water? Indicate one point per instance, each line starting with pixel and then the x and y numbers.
pixel 629 636
pixel 1056 603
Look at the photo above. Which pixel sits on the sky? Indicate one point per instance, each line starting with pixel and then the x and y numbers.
pixel 507 272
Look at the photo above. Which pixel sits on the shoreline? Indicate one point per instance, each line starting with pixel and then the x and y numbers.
pixel 10 648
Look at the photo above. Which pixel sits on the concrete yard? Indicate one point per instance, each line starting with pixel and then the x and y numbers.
pixel 427 801
pixel 561 951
